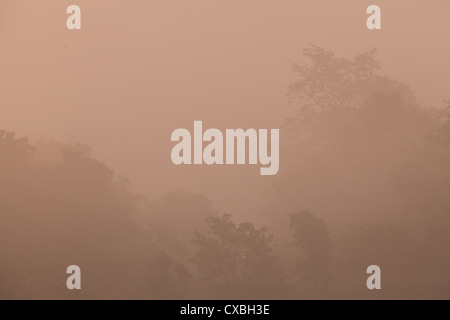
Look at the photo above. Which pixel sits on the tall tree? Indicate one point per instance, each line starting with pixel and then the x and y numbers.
pixel 352 133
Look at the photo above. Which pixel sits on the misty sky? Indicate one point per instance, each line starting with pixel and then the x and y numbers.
pixel 140 69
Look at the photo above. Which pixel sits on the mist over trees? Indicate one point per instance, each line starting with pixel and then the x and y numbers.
pixel 364 179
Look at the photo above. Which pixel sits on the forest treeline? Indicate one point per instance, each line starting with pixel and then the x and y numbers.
pixel 364 179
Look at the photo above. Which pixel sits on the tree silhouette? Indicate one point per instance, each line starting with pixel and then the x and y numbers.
pixel 337 82
pixel 311 235
pixel 12 148
pixel 166 278
pixel 350 139
pixel 238 260
pixel 55 212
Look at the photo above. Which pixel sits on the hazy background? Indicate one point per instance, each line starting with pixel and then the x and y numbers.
pixel 140 69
